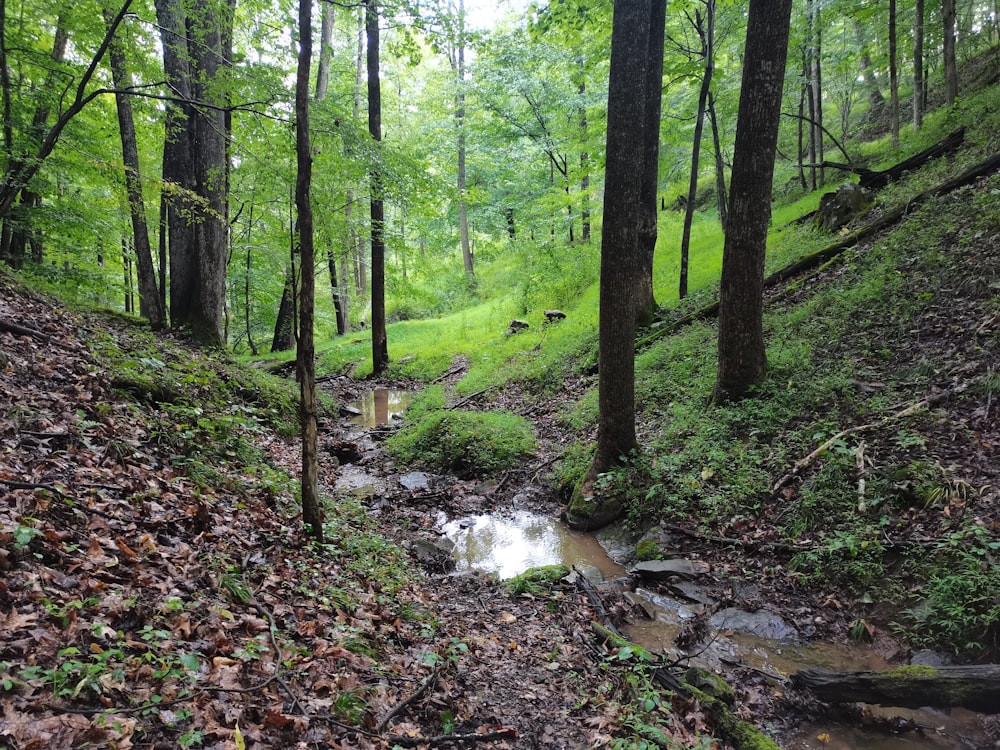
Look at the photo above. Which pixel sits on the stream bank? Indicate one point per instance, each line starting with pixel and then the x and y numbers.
pixel 747 622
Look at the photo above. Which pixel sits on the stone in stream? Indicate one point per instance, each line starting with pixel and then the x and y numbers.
pixel 762 623
pixel 417 480
pixel 663 570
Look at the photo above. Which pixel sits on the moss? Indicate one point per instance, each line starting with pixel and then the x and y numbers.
pixel 592 512
pixel 910 671
pixel 537 580
pixel 648 549
pixel 711 684
pixel 743 735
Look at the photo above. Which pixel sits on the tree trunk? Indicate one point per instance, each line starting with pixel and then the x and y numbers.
pixel 975 687
pixel 284 326
pixel 463 213
pixel 646 301
pixel 742 359
pixel 636 36
pixel 305 365
pixel 918 63
pixel 948 49
pixel 705 27
pixel 380 347
pixel 720 164
pixel 328 11
pixel 893 77
pixel 815 79
pixel 584 159
pixel 196 160
pixel 149 292
pixel 876 100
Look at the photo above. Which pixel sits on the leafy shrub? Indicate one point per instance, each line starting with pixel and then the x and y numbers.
pixel 464 442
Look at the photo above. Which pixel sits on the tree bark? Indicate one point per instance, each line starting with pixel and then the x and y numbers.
pixel 646 300
pixel 893 77
pixel 742 358
pixel 305 363
pixel 705 28
pixel 720 166
pixel 975 687
pixel 948 51
pixel 637 31
pixel 380 348
pixel 149 293
pixel 918 64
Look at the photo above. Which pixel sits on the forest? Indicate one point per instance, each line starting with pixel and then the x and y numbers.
pixel 442 373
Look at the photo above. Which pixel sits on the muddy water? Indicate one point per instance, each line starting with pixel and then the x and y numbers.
pixel 380 406
pixel 509 543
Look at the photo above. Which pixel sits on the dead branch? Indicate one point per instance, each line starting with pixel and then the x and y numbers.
pixel 504 733
pixel 19 330
pixel 425 685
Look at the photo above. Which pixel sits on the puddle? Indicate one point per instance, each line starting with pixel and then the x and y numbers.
pixel 509 543
pixel 380 406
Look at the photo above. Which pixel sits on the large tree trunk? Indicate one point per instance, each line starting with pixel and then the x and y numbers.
pixel 380 346
pixel 196 161
pixel 458 65
pixel 918 64
pixel 149 293
pixel 893 77
pixel 637 34
pixel 742 360
pixel 705 27
pixel 948 51
pixel 305 364
pixel 649 176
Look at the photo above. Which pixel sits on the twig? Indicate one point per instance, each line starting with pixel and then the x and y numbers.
pixel 505 733
pixel 34 486
pixel 19 330
pixel 477 394
pixel 427 683
pixel 804 463
pixel 452 371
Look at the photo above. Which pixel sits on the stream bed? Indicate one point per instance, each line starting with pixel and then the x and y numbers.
pixel 508 543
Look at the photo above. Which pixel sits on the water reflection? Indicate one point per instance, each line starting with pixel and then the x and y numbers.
pixel 380 406
pixel 511 543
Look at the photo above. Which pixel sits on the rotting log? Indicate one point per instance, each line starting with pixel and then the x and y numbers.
pixel 812 260
pixel 975 687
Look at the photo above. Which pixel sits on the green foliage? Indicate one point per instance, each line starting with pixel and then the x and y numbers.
pixel 960 608
pixel 536 580
pixel 467 443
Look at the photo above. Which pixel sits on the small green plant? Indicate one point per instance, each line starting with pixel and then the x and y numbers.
pixel 464 442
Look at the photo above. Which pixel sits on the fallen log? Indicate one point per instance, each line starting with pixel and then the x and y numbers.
pixel 975 687
pixel 877 180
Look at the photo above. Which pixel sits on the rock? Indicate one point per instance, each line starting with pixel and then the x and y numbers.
pixel 662 570
pixel 417 480
pixel 840 208
pixel 762 623
pixel 436 556
pixel 346 451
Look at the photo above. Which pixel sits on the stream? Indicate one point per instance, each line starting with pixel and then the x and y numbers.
pixel 508 543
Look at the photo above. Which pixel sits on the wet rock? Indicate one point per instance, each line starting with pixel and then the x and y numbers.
pixel 690 591
pixel 345 451
pixel 349 411
pixel 435 555
pixel 417 481
pixel 762 624
pixel 663 570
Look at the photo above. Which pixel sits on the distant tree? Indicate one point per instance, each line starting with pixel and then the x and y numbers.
pixel 305 363
pixel 742 358
pixel 948 52
pixel 918 64
pixel 196 51
pixel 632 140
pixel 25 153
pixel 893 77
pixel 150 305
pixel 704 24
pixel 380 347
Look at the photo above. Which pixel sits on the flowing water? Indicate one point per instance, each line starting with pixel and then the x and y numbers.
pixel 380 406
pixel 509 543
